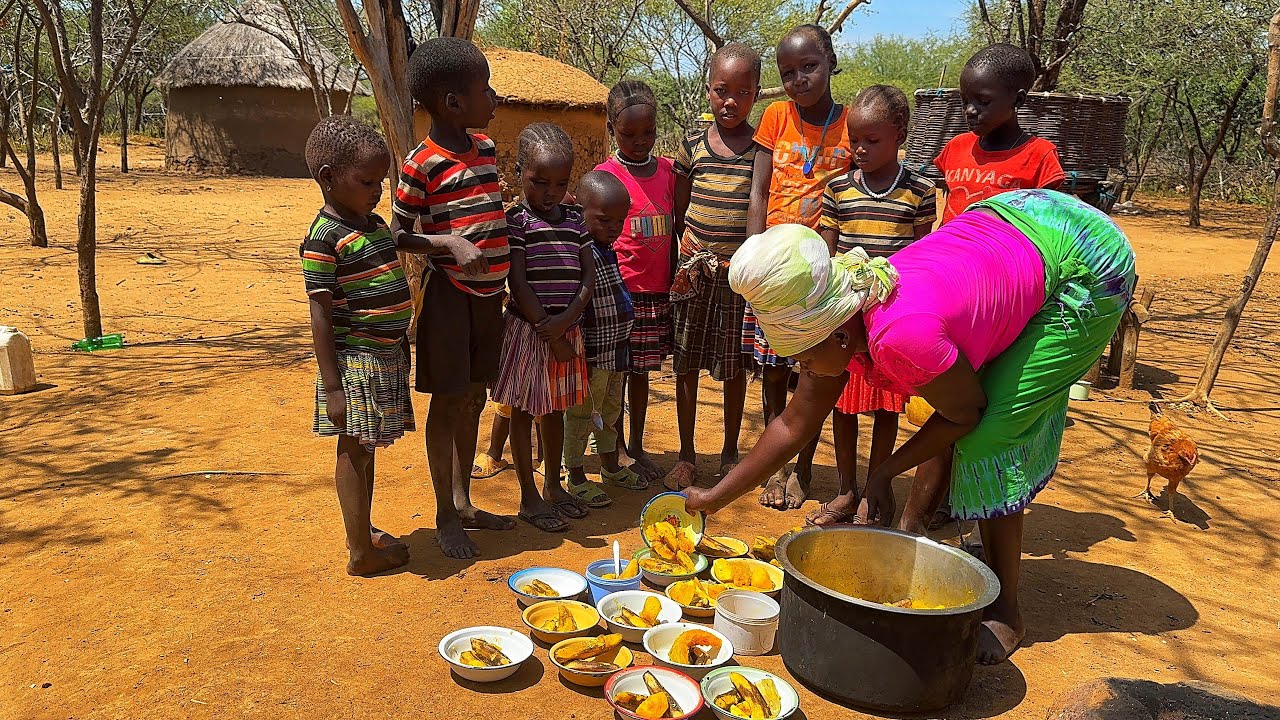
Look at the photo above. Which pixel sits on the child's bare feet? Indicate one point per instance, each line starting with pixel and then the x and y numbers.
pixel 454 541
pixel 381 559
pixel 999 636
pixel 473 518
pixel 775 491
pixel 798 489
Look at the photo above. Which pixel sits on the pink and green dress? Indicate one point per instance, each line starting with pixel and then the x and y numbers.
pixel 1029 299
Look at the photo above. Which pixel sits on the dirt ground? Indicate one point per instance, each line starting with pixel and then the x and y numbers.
pixel 172 545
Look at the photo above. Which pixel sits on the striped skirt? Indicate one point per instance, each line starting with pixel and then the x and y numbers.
pixel 651 335
pixel 859 396
pixel 531 378
pixel 707 327
pixel 754 344
pixel 376 386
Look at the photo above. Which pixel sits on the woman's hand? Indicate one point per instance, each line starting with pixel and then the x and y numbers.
pixel 877 505
pixel 699 500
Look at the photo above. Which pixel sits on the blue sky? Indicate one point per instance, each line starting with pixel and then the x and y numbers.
pixel 913 18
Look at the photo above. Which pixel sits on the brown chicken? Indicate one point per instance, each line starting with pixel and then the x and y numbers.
pixel 1172 456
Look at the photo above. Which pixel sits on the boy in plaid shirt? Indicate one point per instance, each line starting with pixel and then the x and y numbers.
pixel 606 328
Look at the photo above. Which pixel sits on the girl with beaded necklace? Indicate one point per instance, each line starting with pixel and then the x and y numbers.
pixel 645 249
pixel 876 209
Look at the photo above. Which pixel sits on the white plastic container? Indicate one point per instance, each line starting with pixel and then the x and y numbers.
pixel 1080 390
pixel 17 366
pixel 749 620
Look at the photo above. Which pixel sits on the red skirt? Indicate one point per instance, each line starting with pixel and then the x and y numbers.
pixel 860 397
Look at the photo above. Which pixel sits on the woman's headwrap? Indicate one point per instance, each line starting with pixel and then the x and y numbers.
pixel 799 293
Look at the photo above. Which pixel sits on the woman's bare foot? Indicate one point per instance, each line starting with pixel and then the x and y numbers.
pixel 454 541
pixel 775 491
pixel 999 637
pixel 380 560
pixel 797 490
pixel 473 518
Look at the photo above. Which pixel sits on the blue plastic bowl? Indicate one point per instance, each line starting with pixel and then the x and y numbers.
pixel 601 587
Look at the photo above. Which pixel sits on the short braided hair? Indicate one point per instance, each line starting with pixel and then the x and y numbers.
pixel 341 141
pixel 1011 65
pixel 543 140
pixel 738 51
pixel 441 66
pixel 626 94
pixel 888 101
pixel 823 38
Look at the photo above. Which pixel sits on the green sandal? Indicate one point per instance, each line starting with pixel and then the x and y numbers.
pixel 589 493
pixel 624 478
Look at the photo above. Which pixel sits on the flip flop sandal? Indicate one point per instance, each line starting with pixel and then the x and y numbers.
pixel 837 518
pixel 683 475
pixel 151 259
pixel 589 493
pixel 485 466
pixel 624 478
pixel 570 509
pixel 546 522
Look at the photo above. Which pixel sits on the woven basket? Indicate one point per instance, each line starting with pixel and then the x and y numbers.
pixel 1088 130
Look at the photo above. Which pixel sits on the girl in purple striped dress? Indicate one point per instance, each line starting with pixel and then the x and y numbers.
pixel 543 370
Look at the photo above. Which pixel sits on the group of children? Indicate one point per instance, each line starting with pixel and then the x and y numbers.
pixel 559 305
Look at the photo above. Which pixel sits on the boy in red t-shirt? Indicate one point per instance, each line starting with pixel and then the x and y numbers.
pixel 998 155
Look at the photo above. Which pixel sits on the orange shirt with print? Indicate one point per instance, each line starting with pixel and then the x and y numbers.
pixel 795 197
pixel 973 174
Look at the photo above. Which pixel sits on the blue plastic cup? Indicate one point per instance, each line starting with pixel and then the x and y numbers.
pixel 601 587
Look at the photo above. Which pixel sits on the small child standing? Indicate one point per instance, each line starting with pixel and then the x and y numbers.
pixel 807 144
pixel 360 310
pixel 997 155
pixel 713 193
pixel 448 205
pixel 645 254
pixel 606 332
pixel 876 209
pixel 543 371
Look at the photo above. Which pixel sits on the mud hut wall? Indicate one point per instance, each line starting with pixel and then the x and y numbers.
pixel 584 125
pixel 244 129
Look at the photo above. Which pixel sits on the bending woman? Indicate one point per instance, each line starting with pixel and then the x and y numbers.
pixel 990 319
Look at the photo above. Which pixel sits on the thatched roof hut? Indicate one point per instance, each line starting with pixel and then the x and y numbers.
pixel 532 88
pixel 238 99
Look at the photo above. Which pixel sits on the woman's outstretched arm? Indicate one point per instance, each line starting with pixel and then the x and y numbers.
pixel 814 398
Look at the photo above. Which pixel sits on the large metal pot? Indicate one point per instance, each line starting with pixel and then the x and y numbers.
pixel 836 637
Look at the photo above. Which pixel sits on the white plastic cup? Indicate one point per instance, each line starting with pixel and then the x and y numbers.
pixel 748 619
pixel 1080 390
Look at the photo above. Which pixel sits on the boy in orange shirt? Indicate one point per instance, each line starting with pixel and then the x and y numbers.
pixel 997 155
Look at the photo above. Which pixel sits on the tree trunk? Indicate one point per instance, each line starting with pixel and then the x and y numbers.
pixel 77 156
pixel 54 127
pixel 35 218
pixel 1143 162
pixel 87 245
pixel 139 101
pixel 14 201
pixel 124 135
pixel 1193 207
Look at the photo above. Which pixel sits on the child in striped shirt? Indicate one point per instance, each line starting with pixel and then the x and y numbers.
pixel 360 309
pixel 448 205
pixel 713 192
pixel 879 207
pixel 543 371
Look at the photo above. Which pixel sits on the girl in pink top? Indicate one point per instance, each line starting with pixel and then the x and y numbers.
pixel 645 251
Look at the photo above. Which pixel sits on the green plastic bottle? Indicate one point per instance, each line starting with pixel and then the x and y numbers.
pixel 105 342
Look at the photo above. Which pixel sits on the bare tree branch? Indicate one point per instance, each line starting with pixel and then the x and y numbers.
pixel 703 24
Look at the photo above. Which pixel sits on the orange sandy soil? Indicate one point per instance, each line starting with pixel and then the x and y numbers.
pixel 172 545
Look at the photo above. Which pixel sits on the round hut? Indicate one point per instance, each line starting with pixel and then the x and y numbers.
pixel 239 101
pixel 532 88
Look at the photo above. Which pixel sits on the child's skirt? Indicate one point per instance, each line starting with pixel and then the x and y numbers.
pixel 859 396
pixel 707 329
pixel 754 344
pixel 376 385
pixel 531 378
pixel 651 335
